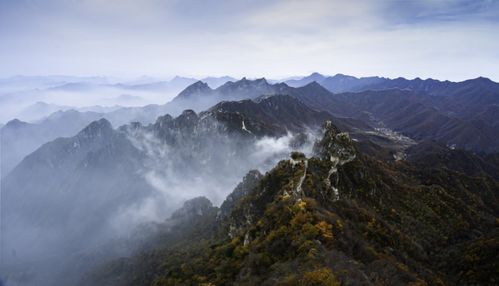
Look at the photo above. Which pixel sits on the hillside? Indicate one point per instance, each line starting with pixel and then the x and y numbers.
pixel 338 218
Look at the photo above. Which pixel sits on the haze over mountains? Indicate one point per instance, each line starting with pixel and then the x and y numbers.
pixel 51 93
pixel 462 114
pixel 78 181
pixel 249 143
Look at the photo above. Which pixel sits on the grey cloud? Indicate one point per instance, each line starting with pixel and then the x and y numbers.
pixel 250 38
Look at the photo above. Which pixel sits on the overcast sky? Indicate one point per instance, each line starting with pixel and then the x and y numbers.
pixel 440 39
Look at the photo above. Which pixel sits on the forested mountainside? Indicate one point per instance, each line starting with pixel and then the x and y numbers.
pixel 459 114
pixel 216 143
pixel 339 217
pixel 136 173
pixel 398 148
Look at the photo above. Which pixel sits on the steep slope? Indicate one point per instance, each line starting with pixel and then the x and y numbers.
pixel 62 202
pixel 459 99
pixel 194 91
pixel 456 99
pixel 439 156
pixel 277 112
pixel 459 114
pixel 410 114
pixel 339 218
pixel 489 115
pixel 227 134
pixel 55 188
pixel 319 98
pixel 190 145
pixel 21 138
pixel 136 173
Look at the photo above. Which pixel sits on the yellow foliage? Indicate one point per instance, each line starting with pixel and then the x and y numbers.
pixel 302 204
pixel 325 229
pixel 285 196
pixel 319 277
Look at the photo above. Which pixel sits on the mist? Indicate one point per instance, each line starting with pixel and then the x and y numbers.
pixel 113 114
pixel 175 179
pixel 33 98
pixel 37 110
pixel 104 186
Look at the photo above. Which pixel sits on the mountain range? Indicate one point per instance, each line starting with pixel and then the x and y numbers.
pixel 399 186
pixel 462 114
pixel 457 114
pixel 336 218
pixel 138 172
pixel 17 94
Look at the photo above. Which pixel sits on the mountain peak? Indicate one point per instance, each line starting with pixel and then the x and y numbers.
pixel 257 80
pixel 261 80
pixel 483 79
pixel 188 117
pixel 188 112
pixel 248 183
pixel 482 82
pixel 164 118
pixel 199 84
pixel 16 123
pixel 98 128
pixel 196 88
pixel 343 76
pixel 194 207
pixel 313 86
pixel 315 76
pixel 275 114
pixel 244 82
pixel 335 145
pixel 245 88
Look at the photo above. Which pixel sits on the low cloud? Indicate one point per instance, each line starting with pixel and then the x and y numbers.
pixel 176 179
